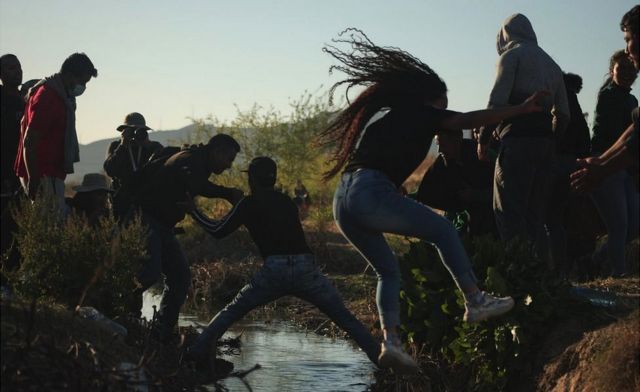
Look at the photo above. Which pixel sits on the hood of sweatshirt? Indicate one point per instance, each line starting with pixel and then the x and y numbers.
pixel 515 30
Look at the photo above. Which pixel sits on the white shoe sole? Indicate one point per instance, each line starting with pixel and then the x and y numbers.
pixel 489 314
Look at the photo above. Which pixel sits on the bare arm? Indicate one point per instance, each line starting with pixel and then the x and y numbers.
pixel 618 145
pixel 492 116
pixel 594 170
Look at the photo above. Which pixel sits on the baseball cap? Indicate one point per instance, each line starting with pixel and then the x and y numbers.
pixel 263 168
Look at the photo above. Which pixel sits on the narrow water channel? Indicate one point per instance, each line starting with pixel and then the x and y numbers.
pixel 291 359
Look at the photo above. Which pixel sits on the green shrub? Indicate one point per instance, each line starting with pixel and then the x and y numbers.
pixel 61 258
pixel 288 139
pixel 495 353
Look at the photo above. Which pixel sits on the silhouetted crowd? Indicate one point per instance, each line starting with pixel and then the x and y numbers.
pixel 531 171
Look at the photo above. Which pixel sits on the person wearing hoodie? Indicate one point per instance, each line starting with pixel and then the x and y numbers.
pixel 48 145
pixel 523 167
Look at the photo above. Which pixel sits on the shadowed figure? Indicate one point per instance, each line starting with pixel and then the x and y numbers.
pixel 273 222
pixel 458 182
pixel 523 167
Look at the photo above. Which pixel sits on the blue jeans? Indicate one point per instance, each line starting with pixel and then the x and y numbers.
pixel 617 202
pixel 165 257
pixel 296 275
pixel 366 205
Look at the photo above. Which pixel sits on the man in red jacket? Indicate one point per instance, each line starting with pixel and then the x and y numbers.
pixel 48 145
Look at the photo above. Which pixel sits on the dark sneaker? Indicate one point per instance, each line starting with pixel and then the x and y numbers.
pixel 204 365
pixel 163 337
pixel 490 306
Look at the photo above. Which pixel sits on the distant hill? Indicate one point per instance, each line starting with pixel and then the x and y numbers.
pixel 92 155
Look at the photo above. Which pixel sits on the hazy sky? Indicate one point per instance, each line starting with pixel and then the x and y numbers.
pixel 171 60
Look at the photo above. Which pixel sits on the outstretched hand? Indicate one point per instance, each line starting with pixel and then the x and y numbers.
pixel 588 176
pixel 532 104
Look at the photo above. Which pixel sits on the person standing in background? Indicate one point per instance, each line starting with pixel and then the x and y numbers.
pixel 12 104
pixel 48 145
pixel 523 168
pixel 617 197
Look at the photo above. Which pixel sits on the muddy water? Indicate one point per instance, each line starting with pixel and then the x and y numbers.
pixel 291 359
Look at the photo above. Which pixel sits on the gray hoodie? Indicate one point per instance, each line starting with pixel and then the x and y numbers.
pixel 523 69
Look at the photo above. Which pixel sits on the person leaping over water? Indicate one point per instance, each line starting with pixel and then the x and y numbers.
pixel 379 140
pixel 289 266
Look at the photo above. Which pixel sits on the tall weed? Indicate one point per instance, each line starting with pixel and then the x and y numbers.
pixel 63 258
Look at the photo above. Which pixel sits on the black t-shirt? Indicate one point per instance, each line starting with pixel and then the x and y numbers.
pixel 12 110
pixel 398 142
pixel 271 218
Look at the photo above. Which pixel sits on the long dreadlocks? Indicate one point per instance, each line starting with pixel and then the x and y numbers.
pixel 393 78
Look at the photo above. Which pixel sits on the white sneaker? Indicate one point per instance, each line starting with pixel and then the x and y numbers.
pixel 489 307
pixel 392 356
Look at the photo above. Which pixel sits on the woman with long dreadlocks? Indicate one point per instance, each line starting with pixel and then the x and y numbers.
pixel 380 139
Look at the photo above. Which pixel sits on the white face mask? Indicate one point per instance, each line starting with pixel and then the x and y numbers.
pixel 77 90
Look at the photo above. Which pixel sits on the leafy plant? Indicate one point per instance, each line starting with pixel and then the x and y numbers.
pixel 288 139
pixel 496 353
pixel 63 258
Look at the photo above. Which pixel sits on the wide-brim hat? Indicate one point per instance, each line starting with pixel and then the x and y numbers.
pixel 93 182
pixel 134 120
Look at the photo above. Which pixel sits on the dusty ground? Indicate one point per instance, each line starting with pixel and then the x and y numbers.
pixel 603 360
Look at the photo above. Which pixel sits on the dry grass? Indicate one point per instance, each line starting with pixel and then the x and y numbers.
pixel 46 348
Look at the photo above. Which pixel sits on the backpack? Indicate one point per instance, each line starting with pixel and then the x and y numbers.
pixel 142 178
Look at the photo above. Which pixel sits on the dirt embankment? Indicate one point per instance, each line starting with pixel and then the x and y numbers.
pixel 603 360
pixel 600 359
